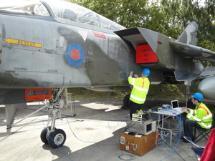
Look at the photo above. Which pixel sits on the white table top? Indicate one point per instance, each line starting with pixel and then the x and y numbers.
pixel 169 111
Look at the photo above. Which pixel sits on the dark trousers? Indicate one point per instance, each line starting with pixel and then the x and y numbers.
pixel 189 129
pixel 134 107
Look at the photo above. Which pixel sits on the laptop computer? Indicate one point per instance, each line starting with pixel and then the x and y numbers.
pixel 174 104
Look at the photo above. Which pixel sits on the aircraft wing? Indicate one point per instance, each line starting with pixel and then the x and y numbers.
pixel 192 51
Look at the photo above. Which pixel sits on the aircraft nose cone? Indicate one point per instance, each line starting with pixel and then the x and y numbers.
pixel 207 87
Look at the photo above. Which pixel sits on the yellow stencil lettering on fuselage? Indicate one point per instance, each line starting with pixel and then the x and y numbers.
pixel 23 43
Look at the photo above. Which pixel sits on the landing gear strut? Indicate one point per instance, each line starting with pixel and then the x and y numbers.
pixel 51 135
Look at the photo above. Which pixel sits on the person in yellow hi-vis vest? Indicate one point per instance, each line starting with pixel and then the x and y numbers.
pixel 201 116
pixel 140 88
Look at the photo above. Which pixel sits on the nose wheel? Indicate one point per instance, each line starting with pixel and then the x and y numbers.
pixel 55 138
pixel 50 135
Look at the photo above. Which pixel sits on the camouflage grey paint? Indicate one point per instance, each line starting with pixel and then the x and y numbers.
pixel 107 61
pixel 178 56
pixel 107 58
pixel 207 86
pixel 189 35
pixel 171 53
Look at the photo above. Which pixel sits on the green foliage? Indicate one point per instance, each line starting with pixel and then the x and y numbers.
pixel 167 91
pixel 166 16
pixel 125 12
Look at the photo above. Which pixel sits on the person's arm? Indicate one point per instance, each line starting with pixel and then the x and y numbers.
pixel 131 80
pixel 131 74
pixel 197 116
pixel 185 109
pixel 190 114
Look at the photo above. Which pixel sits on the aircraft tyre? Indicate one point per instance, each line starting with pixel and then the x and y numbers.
pixel 44 135
pixel 56 138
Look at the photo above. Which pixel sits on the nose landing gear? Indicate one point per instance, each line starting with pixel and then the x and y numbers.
pixel 51 135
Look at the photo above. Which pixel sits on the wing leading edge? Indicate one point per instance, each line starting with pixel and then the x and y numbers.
pixel 192 51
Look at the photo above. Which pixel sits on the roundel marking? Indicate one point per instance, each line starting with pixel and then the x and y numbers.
pixel 74 55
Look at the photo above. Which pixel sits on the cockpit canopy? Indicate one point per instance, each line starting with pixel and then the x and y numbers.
pixel 58 9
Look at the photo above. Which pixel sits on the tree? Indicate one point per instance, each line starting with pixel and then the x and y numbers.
pixel 165 16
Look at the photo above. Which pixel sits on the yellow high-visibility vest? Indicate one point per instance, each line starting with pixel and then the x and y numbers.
pixel 202 115
pixel 140 89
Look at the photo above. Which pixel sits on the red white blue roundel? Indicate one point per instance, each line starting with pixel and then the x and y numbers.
pixel 74 55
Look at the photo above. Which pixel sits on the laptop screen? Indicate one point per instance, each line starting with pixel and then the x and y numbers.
pixel 174 103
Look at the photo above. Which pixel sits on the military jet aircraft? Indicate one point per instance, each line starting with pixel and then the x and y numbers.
pixel 58 44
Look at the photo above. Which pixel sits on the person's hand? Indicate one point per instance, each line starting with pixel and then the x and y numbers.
pixel 131 74
pixel 185 109
pixel 135 76
pixel 188 110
